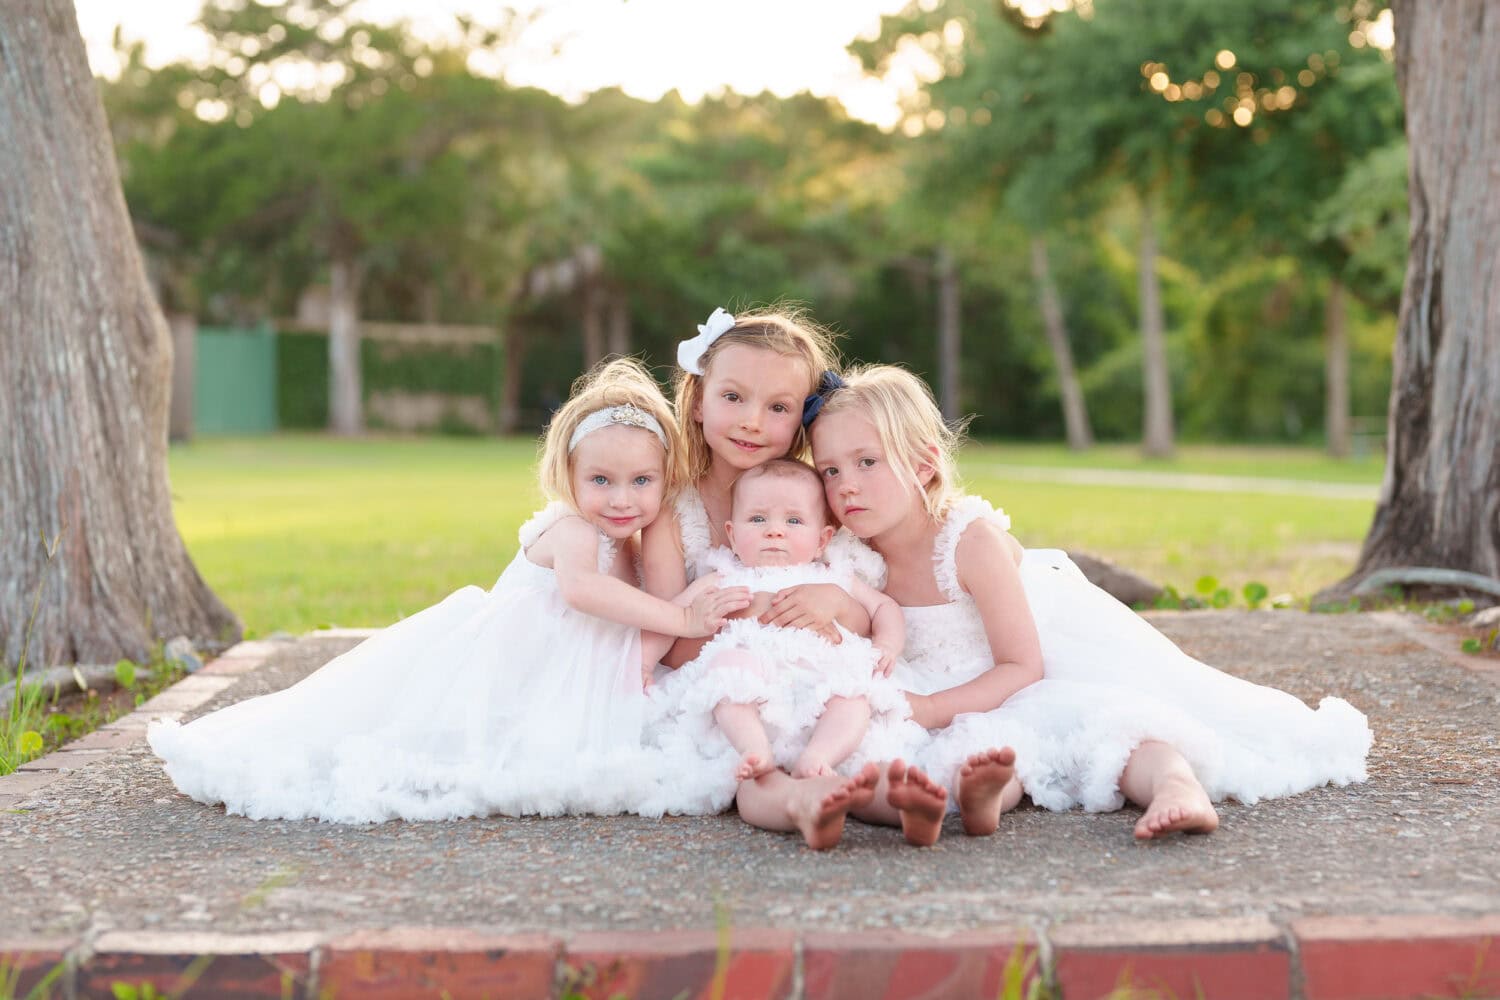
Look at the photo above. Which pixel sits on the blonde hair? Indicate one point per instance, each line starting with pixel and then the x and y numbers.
pixel 784 329
pixel 911 428
pixel 783 468
pixel 622 382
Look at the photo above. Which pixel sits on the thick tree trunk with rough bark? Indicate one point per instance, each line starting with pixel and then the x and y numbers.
pixel 1075 413
pixel 1440 499
pixel 346 411
pixel 1336 372
pixel 85 380
pixel 1157 432
pixel 949 333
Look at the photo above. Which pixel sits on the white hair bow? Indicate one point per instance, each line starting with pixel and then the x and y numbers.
pixel 690 352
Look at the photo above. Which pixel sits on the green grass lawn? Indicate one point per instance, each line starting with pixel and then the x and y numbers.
pixel 294 532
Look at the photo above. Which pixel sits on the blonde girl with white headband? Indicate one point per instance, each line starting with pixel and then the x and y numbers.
pixel 747 382
pixel 523 699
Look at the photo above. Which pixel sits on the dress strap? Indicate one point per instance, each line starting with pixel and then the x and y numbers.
pixel 961 513
pixel 847 553
pixel 692 524
pixel 549 515
pixel 543 519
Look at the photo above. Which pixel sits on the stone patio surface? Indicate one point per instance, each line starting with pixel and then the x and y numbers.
pixel 110 874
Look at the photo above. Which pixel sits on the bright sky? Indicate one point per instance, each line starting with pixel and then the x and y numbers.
pixel 646 47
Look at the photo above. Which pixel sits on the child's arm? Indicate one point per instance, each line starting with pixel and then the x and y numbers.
pixel 987 571
pixel 664 575
pixel 654 645
pixel 575 560
pixel 817 606
pixel 887 625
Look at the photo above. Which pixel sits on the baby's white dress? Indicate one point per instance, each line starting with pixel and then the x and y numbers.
pixel 1111 681
pixel 791 677
pixel 503 701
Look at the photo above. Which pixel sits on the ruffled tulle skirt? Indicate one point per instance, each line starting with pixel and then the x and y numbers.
pixel 1112 681
pixel 788 674
pixel 491 702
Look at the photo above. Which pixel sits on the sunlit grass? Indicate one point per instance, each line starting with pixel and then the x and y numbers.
pixel 1273 462
pixel 299 531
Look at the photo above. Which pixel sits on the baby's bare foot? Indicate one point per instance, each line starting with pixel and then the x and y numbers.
pixel 820 818
pixel 752 766
pixel 1179 804
pixel 920 801
pixel 981 787
pixel 811 767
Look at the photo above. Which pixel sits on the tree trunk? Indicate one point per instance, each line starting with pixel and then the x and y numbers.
pixel 1440 499
pixel 345 403
pixel 510 379
pixel 948 333
pixel 1336 372
pixel 1075 413
pixel 1157 434
pixel 85 381
pixel 619 325
pixel 593 323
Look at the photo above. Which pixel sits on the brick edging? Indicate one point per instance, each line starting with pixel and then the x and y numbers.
pixel 187 695
pixel 1314 958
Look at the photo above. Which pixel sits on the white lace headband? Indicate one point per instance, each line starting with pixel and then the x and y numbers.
pixel 625 415
pixel 690 352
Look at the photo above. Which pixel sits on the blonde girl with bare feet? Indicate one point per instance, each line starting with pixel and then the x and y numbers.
pixel 784 697
pixel 1013 648
pixel 740 395
pixel 522 699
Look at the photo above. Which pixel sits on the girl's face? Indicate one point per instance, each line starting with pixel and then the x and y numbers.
pixel 751 405
pixel 863 489
pixel 619 479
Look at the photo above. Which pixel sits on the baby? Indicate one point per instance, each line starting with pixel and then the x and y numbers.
pixel 789 696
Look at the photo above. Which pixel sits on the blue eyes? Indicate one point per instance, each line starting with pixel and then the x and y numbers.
pixel 602 480
pixel 642 480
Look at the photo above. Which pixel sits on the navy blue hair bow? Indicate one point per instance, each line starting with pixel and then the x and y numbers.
pixel 813 405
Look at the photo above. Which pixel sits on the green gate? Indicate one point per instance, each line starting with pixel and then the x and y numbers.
pixel 234 381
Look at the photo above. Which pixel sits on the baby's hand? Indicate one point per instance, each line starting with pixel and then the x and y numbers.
pixel 707 612
pixel 810 605
pixel 887 661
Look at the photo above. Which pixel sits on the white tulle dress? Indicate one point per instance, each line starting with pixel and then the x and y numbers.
pixel 1111 681
pixel 505 701
pixel 791 675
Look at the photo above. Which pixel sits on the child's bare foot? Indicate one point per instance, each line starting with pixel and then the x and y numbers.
pixel 753 765
pixel 920 801
pixel 1179 804
pixel 820 819
pixel 981 784
pixel 811 767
